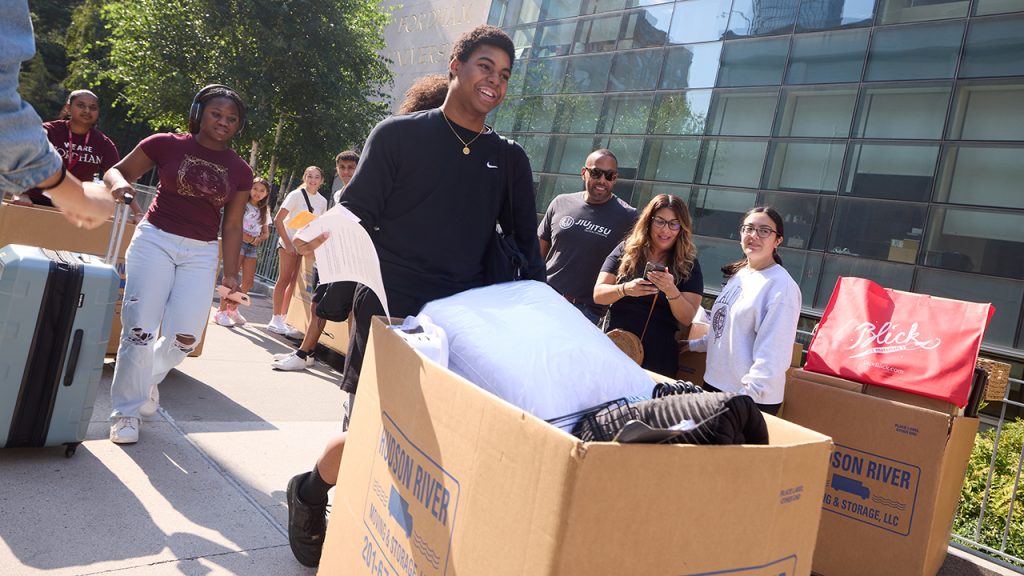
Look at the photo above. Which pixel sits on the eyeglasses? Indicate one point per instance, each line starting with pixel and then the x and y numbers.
pixel 672 225
pixel 595 173
pixel 761 231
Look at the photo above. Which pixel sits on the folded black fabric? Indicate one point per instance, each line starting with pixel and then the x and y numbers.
pixel 722 418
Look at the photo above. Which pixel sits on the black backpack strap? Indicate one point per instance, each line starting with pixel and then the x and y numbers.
pixel 506 216
pixel 306 198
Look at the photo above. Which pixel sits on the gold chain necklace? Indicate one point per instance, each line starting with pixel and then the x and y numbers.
pixel 465 145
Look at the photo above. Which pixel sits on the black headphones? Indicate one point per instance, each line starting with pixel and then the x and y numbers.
pixel 195 112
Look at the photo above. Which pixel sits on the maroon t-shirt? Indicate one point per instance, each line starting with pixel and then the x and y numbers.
pixel 195 183
pixel 90 153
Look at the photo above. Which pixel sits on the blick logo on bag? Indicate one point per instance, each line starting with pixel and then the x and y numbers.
pixel 889 339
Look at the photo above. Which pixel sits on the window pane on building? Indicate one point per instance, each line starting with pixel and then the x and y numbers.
pixel 646 28
pixel 754 62
pixel 536 148
pixel 877 229
pixel 897 11
pixel 587 73
pixel 579 114
pixel 805 268
pixel 644 191
pixel 805 166
pixel 681 112
pixel 628 150
pixel 827 14
pixel 719 213
pixel 693 66
pixel 699 21
pixel 1004 294
pixel 982 176
pixel 817 112
pixel 893 171
pixel 569 152
pixel 668 160
pixel 537 114
pixel 915 52
pixel 529 11
pixel 743 112
pixel 597 34
pixel 761 17
pixel 732 162
pixel 554 39
pixel 628 114
pixel 503 118
pixel 983 7
pixel 988 111
pixel 597 6
pixel 828 57
pixel 544 76
pixel 806 219
pixel 995 47
pixel 896 276
pixel 555 9
pixel 905 111
pixel 635 70
pixel 713 254
pixel 976 241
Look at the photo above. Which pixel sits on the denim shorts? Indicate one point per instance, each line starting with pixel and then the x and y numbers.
pixel 248 250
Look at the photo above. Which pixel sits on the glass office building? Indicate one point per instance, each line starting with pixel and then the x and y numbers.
pixel 889 133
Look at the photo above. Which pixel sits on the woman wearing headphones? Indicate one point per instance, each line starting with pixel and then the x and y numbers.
pixel 172 258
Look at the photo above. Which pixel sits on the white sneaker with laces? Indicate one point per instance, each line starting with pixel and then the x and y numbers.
pixel 293 363
pixel 282 356
pixel 277 325
pixel 222 319
pixel 152 403
pixel 124 430
pixel 236 317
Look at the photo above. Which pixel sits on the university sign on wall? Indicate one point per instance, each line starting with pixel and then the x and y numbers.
pixel 419 37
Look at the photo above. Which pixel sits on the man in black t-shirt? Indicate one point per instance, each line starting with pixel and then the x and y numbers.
pixel 580 229
pixel 428 189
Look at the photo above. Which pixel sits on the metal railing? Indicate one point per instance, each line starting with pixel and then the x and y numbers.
pixel 266 258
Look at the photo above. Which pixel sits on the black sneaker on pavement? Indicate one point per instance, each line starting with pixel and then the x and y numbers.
pixel 307 526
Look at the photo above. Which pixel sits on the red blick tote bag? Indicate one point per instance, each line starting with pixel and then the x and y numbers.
pixel 911 342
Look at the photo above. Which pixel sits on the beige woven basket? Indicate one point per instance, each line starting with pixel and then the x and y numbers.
pixel 998 378
pixel 628 343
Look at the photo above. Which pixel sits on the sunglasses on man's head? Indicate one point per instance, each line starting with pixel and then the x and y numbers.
pixel 595 173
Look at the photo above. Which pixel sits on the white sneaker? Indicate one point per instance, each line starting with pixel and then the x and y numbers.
pixel 222 319
pixel 277 325
pixel 282 356
pixel 293 363
pixel 124 430
pixel 292 334
pixel 236 317
pixel 152 404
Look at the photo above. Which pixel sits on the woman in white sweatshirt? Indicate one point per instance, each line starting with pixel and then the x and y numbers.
pixel 753 322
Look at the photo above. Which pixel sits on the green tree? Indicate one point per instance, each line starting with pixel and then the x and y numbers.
pixel 309 69
pixel 40 77
pixel 1001 495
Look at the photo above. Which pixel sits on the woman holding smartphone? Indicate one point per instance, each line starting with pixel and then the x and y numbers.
pixel 652 282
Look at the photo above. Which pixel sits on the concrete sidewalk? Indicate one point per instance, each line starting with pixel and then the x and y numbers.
pixel 202 493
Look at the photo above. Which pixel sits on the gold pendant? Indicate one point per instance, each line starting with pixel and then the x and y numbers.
pixel 465 150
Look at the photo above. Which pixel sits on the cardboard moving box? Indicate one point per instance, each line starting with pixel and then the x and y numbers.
pixel 894 478
pixel 47 228
pixel 336 334
pixel 443 478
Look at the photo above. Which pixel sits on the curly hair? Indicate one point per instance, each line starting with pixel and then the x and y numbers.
pixel 637 249
pixel 484 34
pixel 426 93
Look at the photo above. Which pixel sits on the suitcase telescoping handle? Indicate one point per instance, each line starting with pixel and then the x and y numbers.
pixel 121 212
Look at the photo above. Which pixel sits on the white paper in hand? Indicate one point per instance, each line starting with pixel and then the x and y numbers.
pixel 348 254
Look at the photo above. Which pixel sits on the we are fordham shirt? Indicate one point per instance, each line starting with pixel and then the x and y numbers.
pixel 195 184
pixel 84 155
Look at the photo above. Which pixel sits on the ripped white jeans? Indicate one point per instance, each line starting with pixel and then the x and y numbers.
pixel 168 291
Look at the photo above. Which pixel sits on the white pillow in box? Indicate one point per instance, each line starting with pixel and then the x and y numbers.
pixel 525 343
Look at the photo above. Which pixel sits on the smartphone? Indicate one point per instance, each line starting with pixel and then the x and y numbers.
pixel 654 267
pixel 240 297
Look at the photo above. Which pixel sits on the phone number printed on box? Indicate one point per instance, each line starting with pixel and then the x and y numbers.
pixel 410 508
pixel 872 489
pixel 783 567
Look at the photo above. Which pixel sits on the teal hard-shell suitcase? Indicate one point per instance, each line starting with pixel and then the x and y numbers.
pixel 56 309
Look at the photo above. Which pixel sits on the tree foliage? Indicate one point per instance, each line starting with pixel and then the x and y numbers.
pixel 312 64
pixel 1001 493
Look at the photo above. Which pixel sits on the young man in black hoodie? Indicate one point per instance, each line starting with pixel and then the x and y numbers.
pixel 428 189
